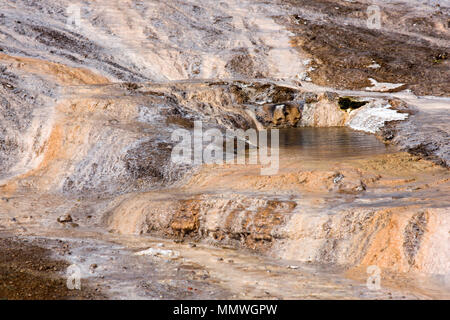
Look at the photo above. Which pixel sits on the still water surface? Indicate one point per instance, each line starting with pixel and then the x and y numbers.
pixel 330 143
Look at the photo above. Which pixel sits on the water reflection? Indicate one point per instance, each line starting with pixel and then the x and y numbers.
pixel 330 143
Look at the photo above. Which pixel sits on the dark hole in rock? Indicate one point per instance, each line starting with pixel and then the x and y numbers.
pixel 350 103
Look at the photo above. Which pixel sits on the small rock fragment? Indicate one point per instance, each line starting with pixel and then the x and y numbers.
pixel 65 218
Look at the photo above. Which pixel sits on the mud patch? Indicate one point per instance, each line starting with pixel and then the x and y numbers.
pixel 27 272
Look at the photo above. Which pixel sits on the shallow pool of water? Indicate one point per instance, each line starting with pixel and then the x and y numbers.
pixel 330 143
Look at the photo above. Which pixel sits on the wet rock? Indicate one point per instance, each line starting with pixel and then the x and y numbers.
pixel 292 114
pixel 280 115
pixel 414 233
pixel 324 113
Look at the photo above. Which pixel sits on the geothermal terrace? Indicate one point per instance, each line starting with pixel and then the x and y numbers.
pixel 91 93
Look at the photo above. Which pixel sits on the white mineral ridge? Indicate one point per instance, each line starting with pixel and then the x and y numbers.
pixel 382 86
pixel 372 118
pixel 158 252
